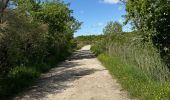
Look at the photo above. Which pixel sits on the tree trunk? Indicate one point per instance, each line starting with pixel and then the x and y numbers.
pixel 3 5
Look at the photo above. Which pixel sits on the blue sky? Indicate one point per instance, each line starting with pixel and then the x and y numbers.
pixel 96 13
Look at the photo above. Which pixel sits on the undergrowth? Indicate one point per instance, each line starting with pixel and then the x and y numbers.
pixel 136 64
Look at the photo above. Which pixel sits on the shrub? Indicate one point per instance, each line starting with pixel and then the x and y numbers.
pixel 86 40
pixel 99 47
pixel 33 34
pixel 41 67
pixel 21 76
pixel 153 19
pixel 18 78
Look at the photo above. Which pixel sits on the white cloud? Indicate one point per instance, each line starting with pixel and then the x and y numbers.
pixel 111 1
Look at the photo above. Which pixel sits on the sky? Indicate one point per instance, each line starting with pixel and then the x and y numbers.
pixel 95 14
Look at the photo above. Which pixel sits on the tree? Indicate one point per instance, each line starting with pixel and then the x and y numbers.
pixel 112 27
pixel 36 35
pixel 3 5
pixel 152 17
pixel 27 6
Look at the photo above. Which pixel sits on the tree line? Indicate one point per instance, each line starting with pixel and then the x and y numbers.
pixel 34 36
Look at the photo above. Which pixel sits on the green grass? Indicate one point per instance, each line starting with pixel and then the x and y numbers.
pixel 134 80
pixel 136 64
pixel 17 79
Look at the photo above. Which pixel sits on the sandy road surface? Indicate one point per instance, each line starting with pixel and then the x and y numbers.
pixel 81 77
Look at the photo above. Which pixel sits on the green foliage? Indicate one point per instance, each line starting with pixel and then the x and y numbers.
pixel 17 79
pixel 86 40
pixel 153 18
pixel 99 47
pixel 20 77
pixel 21 42
pixel 61 26
pixel 34 35
pixel 113 27
pixel 136 64
pixel 131 49
pixel 1 4
pixel 27 6
pixel 134 80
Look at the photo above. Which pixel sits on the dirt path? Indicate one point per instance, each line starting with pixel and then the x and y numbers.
pixel 82 77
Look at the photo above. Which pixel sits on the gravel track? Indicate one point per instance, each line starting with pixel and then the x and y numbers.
pixel 80 77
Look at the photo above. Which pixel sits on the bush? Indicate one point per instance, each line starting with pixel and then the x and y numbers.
pixel 18 78
pixel 153 19
pixel 41 67
pixel 99 47
pixel 33 34
pixel 86 40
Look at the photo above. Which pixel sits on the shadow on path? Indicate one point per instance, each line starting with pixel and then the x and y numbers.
pixel 58 79
pixel 82 54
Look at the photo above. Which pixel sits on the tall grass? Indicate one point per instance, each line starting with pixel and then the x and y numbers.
pixel 143 56
pixel 134 80
pixel 137 65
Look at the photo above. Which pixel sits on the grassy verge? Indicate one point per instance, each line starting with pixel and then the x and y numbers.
pixel 134 80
